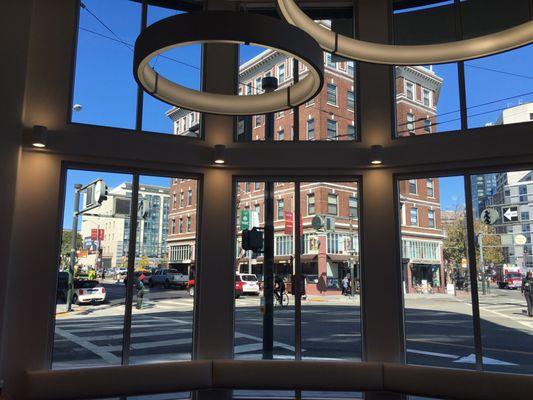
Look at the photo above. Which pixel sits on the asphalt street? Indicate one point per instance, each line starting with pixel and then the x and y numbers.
pixel 438 328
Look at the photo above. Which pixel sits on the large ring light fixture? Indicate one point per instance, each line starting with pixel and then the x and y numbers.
pixel 227 27
pixel 507 39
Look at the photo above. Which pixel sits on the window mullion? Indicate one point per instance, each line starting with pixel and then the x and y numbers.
pixel 140 91
pixel 297 274
pixel 471 244
pixel 131 266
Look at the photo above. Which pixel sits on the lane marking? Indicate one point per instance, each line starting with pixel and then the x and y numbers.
pixel 98 350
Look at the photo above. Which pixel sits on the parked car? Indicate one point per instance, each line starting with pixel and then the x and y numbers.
pixel 88 291
pixel 168 278
pixel 238 288
pixel 249 283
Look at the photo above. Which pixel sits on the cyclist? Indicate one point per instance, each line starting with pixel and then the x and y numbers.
pixel 279 288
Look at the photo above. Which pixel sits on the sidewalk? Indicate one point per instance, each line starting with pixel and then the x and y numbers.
pixel 338 299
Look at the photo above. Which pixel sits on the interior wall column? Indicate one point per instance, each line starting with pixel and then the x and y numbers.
pixel 381 300
pixel 215 294
pixel 15 22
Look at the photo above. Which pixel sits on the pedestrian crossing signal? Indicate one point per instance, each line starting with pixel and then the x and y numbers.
pixel 489 216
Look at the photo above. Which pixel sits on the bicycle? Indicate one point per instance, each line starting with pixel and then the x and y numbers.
pixel 282 300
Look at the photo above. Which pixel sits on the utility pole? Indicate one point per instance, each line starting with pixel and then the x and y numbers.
pixel 482 264
pixel 269 84
pixel 70 291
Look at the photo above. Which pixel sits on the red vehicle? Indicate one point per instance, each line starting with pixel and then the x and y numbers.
pixel 508 277
pixel 238 288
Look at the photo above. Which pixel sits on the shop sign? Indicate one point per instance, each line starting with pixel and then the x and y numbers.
pixel 289 222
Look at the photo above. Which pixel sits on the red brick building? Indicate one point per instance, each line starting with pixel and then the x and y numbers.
pixel 330 116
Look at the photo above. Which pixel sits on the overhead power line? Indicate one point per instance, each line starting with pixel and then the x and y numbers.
pixel 82 5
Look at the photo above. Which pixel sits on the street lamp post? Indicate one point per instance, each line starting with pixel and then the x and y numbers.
pixel 70 291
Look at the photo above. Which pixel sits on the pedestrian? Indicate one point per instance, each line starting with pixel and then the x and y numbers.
pixel 139 285
pixel 103 274
pixel 527 290
pixel 345 285
pixel 322 284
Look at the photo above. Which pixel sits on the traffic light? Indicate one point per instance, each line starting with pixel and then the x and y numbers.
pixel 143 209
pixel 100 192
pixel 252 240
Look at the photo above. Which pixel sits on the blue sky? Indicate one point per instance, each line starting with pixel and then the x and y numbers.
pixel 105 87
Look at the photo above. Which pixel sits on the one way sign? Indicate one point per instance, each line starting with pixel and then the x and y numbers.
pixel 510 214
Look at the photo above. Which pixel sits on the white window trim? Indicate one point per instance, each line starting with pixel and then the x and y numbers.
pixel 409 187
pixel 417 216
pixel 278 67
pixel 336 95
pixel 406 83
pixel 424 90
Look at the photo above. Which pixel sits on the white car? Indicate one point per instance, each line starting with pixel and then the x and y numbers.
pixel 250 285
pixel 86 291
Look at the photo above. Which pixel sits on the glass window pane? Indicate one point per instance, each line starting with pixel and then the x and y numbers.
pixel 427 99
pixel 336 101
pixel 250 273
pixel 105 92
pixel 437 300
pixel 331 327
pixel 92 333
pixel 499 88
pixel 182 66
pixel 164 279
pixel 504 260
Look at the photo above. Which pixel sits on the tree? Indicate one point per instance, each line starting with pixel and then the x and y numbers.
pixel 143 263
pixel 66 245
pixel 492 244
pixel 455 247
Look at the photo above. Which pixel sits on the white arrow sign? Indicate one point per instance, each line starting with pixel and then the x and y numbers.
pixel 510 214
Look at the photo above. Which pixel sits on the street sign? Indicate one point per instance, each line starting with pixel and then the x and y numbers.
pixel 489 216
pixel 510 214
pixel 520 240
pixel 245 219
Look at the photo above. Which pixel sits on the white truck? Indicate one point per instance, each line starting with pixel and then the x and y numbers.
pixel 168 278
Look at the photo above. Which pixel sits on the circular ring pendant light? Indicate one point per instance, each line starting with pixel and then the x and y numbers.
pixel 332 42
pixel 227 27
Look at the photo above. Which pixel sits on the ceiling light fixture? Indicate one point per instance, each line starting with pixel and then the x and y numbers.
pixel 219 154
pixel 227 27
pixel 376 154
pixel 378 53
pixel 39 136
